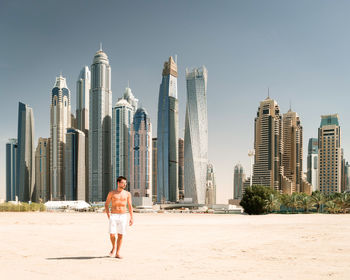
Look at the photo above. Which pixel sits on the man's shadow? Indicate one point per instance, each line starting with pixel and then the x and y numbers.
pixel 77 258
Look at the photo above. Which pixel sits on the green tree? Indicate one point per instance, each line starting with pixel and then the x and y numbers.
pixel 343 201
pixel 273 203
pixel 254 200
pixel 305 202
pixel 332 207
pixel 319 199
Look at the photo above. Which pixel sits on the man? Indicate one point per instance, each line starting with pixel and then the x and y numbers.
pixel 118 217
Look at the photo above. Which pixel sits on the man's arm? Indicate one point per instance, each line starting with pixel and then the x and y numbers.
pixel 130 209
pixel 108 201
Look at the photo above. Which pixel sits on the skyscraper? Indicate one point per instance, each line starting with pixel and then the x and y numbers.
pixel 83 99
pixel 292 159
pixel 154 169
pixel 100 118
pixel 42 170
pixel 268 145
pixel 121 124
pixel 11 166
pixel 128 96
pixel 141 155
pixel 25 153
pixel 196 135
pixel 329 154
pixel 210 197
pixel 238 180
pixel 312 163
pixel 181 168
pixel 60 120
pixel 75 165
pixel 167 134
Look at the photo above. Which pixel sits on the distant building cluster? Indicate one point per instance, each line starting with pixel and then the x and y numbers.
pixel 86 153
pixel 278 158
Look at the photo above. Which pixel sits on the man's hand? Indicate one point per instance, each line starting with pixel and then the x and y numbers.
pixel 131 221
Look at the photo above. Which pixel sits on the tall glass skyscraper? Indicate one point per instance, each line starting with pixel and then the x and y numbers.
pixel 60 120
pixel 42 170
pixel 122 119
pixel 238 181
pixel 11 176
pixel 25 153
pixel 196 136
pixel 167 134
pixel 100 125
pixel 141 155
pixel 312 163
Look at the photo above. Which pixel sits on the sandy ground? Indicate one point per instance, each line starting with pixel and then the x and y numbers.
pixel 176 246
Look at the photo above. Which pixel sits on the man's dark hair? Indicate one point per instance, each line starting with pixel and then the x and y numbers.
pixel 120 178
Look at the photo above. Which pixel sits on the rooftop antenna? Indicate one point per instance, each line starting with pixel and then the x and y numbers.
pixel 176 58
pixel 61 74
pixel 290 105
pixel 128 84
pixel 268 92
pixel 100 46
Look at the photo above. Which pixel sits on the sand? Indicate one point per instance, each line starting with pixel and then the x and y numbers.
pixel 176 246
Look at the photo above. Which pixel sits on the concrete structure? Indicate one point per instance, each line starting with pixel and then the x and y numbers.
pixel 329 154
pixel 75 186
pixel 154 169
pixel 141 155
pixel 238 180
pixel 196 135
pixel 100 125
pixel 11 166
pixel 210 196
pixel 346 176
pixel 121 124
pixel 42 170
pixel 312 163
pixel 292 159
pixel 25 153
pixel 181 161
pixel 267 169
pixel 60 120
pixel 167 134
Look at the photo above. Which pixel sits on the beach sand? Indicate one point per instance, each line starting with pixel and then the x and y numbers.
pixel 176 246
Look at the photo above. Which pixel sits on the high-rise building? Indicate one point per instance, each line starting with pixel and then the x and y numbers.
pixel 82 119
pixel 347 177
pixel 75 186
pixel 60 120
pixel 196 135
pixel 121 124
pixel 312 163
pixel 268 145
pixel 342 168
pixel 238 180
pixel 154 169
pixel 100 122
pixel 167 134
pixel 181 168
pixel 42 170
pixel 292 159
pixel 25 153
pixel 210 196
pixel 128 96
pixel 329 154
pixel 11 177
pixel 141 155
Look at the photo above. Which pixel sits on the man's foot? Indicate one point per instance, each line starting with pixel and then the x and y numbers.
pixel 112 253
pixel 118 256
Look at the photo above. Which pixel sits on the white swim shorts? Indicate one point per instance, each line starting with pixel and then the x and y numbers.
pixel 118 223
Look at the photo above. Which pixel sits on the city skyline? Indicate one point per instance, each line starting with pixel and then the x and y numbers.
pixel 305 62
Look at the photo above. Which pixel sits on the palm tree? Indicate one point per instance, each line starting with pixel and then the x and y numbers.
pixel 343 201
pixel 272 203
pixel 318 198
pixel 306 202
pixel 294 202
pixel 332 207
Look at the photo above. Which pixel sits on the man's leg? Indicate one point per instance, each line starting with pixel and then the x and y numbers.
pixel 112 237
pixel 119 244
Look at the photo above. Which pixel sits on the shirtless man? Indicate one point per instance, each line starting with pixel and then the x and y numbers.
pixel 118 217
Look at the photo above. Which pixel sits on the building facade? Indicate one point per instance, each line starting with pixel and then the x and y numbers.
pixel 167 135
pixel 11 166
pixel 312 163
pixel 60 120
pixel 25 153
pixel 154 169
pixel 196 135
pixel 141 155
pixel 42 170
pixel 210 196
pixel 75 186
pixel 329 154
pixel 268 145
pixel 238 180
pixel 181 161
pixel 121 125
pixel 100 125
pixel 83 94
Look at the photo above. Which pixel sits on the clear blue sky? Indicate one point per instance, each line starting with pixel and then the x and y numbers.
pixel 300 49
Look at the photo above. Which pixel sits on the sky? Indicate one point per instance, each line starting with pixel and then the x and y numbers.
pixel 297 49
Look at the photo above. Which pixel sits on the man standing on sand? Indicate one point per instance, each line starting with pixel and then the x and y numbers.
pixel 118 217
